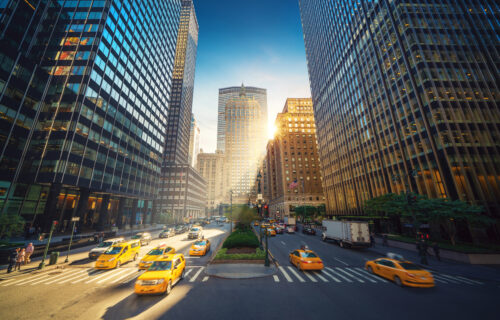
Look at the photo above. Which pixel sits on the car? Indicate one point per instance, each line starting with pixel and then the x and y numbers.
pixel 161 276
pixel 270 232
pixel 144 237
pixel 305 259
pixel 290 230
pixel 279 230
pixel 103 246
pixel 195 232
pixel 256 223
pixel 402 272
pixel 119 254
pixel 154 254
pixel 199 248
pixel 170 232
pixel 180 229
pixel 308 230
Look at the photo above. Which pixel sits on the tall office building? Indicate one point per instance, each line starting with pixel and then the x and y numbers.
pixel 244 144
pixel 85 87
pixel 226 94
pixel 194 142
pixel 183 190
pixel 402 88
pixel 211 167
pixel 292 161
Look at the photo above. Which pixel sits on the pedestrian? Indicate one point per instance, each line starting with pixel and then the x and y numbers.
pixel 384 240
pixel 372 240
pixel 20 259
pixel 422 252
pixel 29 251
pixel 12 259
pixel 435 247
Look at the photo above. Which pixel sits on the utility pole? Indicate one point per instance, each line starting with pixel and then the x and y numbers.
pixel 74 219
pixel 42 263
pixel 231 197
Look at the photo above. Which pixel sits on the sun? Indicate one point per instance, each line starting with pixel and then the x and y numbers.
pixel 271 130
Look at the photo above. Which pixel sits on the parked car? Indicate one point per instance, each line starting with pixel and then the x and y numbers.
pixel 103 246
pixel 308 230
pixel 144 237
pixel 170 232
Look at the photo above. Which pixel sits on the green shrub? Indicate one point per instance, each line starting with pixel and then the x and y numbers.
pixel 223 255
pixel 241 238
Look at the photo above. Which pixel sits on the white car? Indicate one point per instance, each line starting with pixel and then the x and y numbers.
pixel 103 246
pixel 290 230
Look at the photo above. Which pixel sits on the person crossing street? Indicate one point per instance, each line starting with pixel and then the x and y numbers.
pixel 29 251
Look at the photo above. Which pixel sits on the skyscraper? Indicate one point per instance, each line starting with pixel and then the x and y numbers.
pixel 293 171
pixel 211 167
pixel 194 142
pixel 85 89
pixel 244 144
pixel 405 98
pixel 226 94
pixel 183 190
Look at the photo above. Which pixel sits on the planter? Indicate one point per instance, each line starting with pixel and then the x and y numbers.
pixel 237 261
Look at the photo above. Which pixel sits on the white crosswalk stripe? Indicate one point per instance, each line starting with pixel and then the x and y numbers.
pixel 70 273
pixel 296 274
pixel 276 278
pixel 361 275
pixel 330 276
pixel 121 271
pixel 440 277
pixel 464 280
pixel 188 272
pixel 473 281
pixel 87 272
pixel 343 271
pixel 438 280
pixel 321 277
pixel 17 280
pixel 84 277
pixel 126 275
pixel 309 276
pixel 196 275
pixel 32 280
pixel 287 277
pixel 338 274
pixel 363 271
pixel 132 276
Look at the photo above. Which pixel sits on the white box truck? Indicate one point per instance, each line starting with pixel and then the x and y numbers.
pixel 347 233
pixel 290 221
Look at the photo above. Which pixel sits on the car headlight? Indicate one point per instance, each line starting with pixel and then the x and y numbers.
pixel 112 259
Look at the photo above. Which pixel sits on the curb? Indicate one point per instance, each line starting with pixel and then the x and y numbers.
pixel 269 251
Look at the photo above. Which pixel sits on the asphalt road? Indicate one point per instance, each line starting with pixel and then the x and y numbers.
pixel 342 291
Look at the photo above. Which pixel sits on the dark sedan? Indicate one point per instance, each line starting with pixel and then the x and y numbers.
pixel 167 233
pixel 308 230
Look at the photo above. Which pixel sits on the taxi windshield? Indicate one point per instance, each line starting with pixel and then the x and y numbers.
pixel 105 244
pixel 308 255
pixel 113 250
pixel 137 236
pixel 200 243
pixel 160 266
pixel 155 252
pixel 409 266
pixel 195 229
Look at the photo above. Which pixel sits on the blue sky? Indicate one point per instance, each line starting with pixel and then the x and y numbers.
pixel 257 42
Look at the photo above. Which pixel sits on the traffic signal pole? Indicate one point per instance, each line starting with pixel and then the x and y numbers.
pixel 42 263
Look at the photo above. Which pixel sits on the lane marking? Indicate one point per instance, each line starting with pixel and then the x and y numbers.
pixel 361 275
pixel 283 242
pixel 309 276
pixel 363 271
pixel 276 279
pixel 477 282
pixel 80 275
pixel 445 279
pixel 287 277
pixel 132 276
pixel 88 276
pixel 124 276
pixel 104 274
pixel 196 275
pixel 205 279
pixel 44 277
pixel 341 261
pixel 457 279
pixel 24 279
pixel 321 277
pixel 296 274
pixel 438 280
pixel 343 271
pixel 188 272
pixel 112 276
pixel 329 275
pixel 64 276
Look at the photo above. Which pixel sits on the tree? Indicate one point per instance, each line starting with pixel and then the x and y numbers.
pixel 10 224
pixel 305 212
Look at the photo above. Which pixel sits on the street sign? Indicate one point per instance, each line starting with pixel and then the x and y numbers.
pixel 75 219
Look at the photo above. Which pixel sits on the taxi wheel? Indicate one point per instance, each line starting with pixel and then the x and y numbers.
pixel 397 280
pixel 369 269
pixel 135 256
pixel 169 287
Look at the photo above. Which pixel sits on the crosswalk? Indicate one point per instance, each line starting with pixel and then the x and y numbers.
pixel 353 275
pixel 90 276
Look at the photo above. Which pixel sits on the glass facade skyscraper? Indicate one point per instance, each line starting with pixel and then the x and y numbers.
pixel 402 87
pixel 85 88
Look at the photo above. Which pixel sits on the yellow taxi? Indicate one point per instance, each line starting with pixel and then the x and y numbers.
pixel 154 254
pixel 162 275
pixel 271 232
pixel 199 248
pixel 403 273
pixel 271 221
pixel 305 259
pixel 264 225
pixel 256 223
pixel 118 254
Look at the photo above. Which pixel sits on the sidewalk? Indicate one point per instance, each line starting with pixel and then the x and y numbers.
pixel 485 272
pixel 240 270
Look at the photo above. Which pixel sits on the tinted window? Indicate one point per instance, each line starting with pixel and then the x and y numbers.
pixel 105 244
pixel 409 266
pixel 155 252
pixel 160 266
pixel 308 255
pixel 113 250
pixel 200 243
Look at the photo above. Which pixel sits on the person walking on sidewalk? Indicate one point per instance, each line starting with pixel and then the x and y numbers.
pixel 29 251
pixel 20 259
pixel 422 252
pixel 435 247
pixel 12 259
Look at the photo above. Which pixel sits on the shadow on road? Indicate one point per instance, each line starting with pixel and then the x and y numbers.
pixel 131 306
pixel 80 262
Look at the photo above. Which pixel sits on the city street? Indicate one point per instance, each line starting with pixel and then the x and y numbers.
pixel 79 291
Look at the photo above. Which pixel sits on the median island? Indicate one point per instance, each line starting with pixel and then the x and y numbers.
pixel 241 246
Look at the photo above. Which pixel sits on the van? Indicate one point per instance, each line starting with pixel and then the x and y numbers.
pixel 119 254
